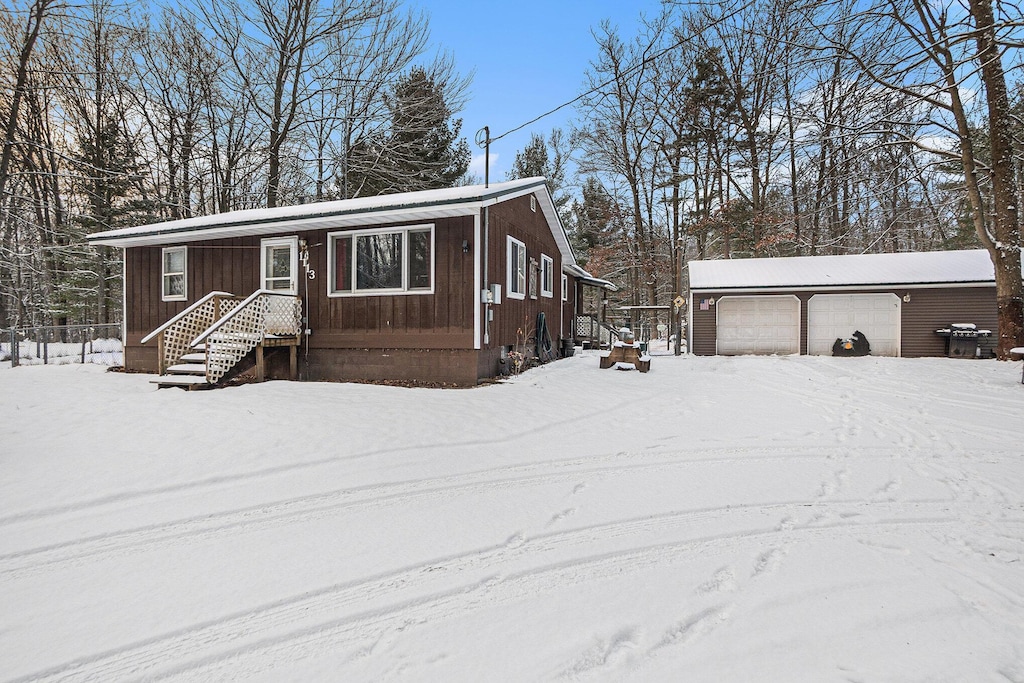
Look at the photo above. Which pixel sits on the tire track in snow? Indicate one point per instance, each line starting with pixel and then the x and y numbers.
pixel 321 505
pixel 237 477
pixel 296 627
pixel 708 455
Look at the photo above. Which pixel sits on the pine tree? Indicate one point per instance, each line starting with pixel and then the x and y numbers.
pixel 422 150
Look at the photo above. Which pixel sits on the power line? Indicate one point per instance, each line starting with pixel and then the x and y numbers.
pixel 642 63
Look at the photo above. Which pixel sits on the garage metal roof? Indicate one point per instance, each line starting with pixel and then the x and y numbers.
pixel 915 268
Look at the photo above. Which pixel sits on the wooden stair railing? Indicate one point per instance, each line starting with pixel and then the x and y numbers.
pixel 245 327
pixel 174 337
pixel 200 345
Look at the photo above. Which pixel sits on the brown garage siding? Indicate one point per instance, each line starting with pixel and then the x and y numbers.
pixel 931 309
pixel 928 310
pixel 704 331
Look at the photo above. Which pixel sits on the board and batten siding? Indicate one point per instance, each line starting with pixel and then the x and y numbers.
pixel 441 320
pixel 514 318
pixel 929 309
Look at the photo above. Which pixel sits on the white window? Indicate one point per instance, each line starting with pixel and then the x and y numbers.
pixel 565 287
pixel 516 269
pixel 175 265
pixel 381 261
pixel 547 276
pixel 279 263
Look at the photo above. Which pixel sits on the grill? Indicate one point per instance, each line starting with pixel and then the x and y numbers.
pixel 962 339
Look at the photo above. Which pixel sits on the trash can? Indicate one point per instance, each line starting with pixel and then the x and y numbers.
pixel 568 348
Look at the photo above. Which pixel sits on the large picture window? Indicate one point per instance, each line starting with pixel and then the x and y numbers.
pixel 175 263
pixel 516 258
pixel 383 261
pixel 547 276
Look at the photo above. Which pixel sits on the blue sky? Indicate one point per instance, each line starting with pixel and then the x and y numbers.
pixel 529 56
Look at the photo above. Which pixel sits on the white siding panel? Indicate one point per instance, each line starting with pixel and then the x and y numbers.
pixel 837 316
pixel 761 325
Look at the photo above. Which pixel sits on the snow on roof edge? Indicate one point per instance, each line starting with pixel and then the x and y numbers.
pixel 935 267
pixel 467 194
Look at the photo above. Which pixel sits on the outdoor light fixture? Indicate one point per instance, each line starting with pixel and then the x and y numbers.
pixel 906 298
pixel 465 246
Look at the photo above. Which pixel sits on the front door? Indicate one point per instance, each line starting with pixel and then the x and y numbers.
pixel 280 264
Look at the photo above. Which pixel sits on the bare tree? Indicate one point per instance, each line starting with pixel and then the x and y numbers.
pixel 37 15
pixel 276 48
pixel 934 54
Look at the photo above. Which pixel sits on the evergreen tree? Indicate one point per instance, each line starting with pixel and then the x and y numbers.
pixel 547 158
pixel 422 150
pixel 92 275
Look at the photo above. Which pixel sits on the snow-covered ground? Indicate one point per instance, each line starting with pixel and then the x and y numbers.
pixel 797 519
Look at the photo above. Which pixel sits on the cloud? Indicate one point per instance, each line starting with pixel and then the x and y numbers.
pixel 476 166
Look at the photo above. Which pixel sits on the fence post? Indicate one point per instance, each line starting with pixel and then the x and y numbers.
pixel 83 347
pixel 46 346
pixel 14 349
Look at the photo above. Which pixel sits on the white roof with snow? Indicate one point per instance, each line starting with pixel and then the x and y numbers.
pixel 915 268
pixel 405 206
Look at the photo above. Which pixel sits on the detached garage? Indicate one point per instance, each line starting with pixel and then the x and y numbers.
pixel 803 304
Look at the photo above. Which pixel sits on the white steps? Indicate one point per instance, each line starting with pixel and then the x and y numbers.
pixel 187 369
pixel 185 381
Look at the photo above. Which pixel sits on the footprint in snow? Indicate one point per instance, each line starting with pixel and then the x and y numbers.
pixel 555 519
pixel 604 653
pixel 695 626
pixel 723 581
pixel 516 540
pixel 768 562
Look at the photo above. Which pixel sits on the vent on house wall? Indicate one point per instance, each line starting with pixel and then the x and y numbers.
pixel 533 203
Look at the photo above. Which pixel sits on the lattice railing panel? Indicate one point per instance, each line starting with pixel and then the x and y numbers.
pixel 284 315
pixel 177 338
pixel 235 338
pixel 585 325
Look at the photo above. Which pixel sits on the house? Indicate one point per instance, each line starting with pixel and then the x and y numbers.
pixel 803 304
pixel 432 286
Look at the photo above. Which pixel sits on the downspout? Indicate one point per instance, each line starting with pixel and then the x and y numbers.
pixel 485 142
pixel 487 281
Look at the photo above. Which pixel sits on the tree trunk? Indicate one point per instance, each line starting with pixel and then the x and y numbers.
pixel 1005 247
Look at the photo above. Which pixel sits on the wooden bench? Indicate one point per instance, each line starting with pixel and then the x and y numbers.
pixel 627 354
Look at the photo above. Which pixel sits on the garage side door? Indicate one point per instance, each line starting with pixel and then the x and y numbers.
pixel 758 325
pixel 837 316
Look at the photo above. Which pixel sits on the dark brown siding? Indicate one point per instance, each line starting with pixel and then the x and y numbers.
pixel 514 317
pixel 931 309
pixel 443 319
pixel 418 336
pixel 704 331
pixel 448 366
pixel 927 311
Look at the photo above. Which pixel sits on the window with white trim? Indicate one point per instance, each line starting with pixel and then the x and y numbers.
pixel 279 263
pixel 173 274
pixel 565 287
pixel 516 258
pixel 547 276
pixel 381 261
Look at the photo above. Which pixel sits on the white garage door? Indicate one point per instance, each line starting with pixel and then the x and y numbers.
pixel 758 324
pixel 837 316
